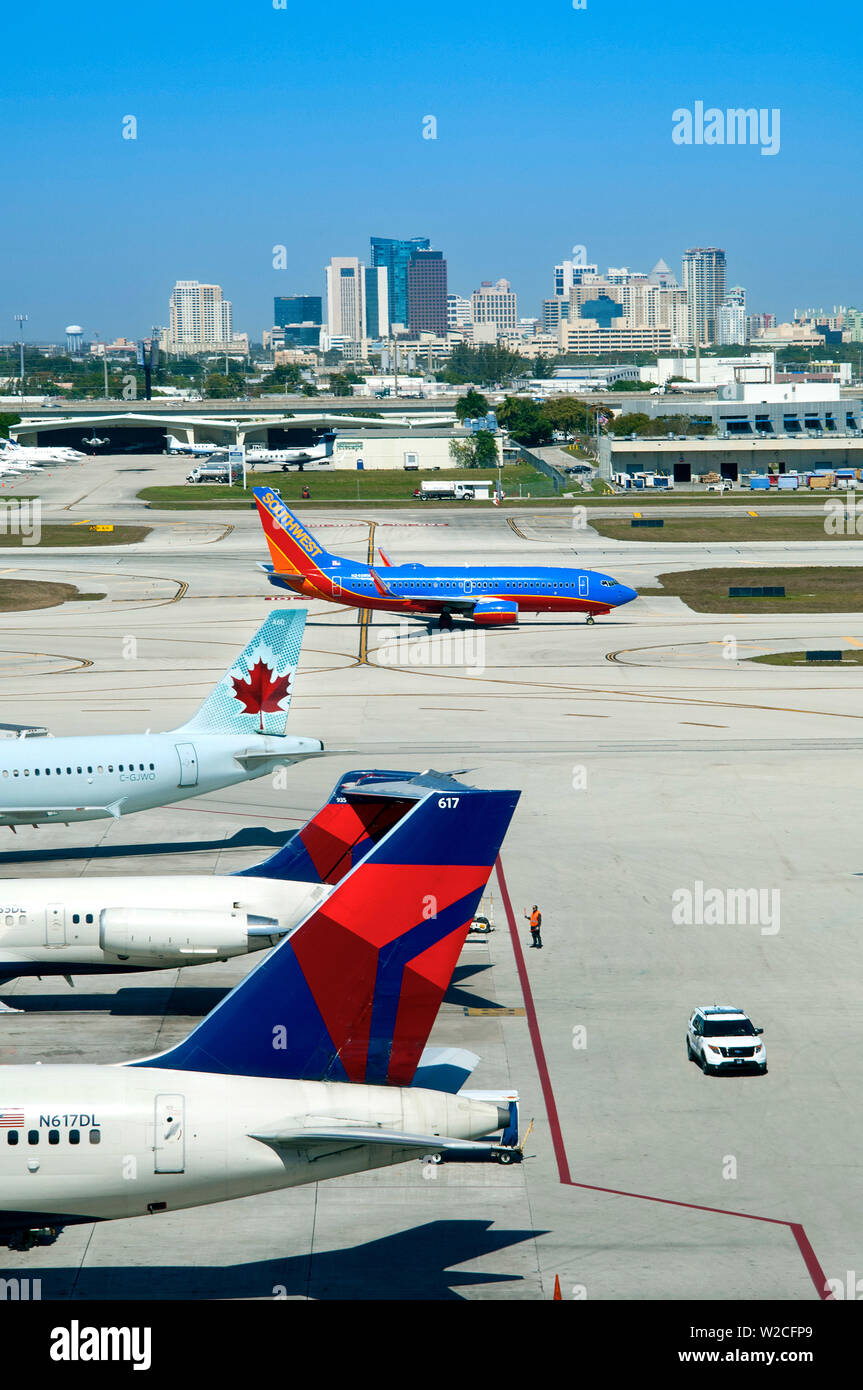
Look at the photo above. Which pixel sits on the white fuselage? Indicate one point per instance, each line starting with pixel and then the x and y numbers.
pixel 64 926
pixel 166 1139
pixel 85 778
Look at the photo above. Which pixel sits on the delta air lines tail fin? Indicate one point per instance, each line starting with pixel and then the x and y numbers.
pixel 353 993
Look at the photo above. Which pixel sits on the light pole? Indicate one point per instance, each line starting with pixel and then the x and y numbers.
pixel 21 319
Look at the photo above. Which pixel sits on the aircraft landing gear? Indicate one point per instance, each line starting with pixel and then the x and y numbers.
pixel 445 622
pixel 590 619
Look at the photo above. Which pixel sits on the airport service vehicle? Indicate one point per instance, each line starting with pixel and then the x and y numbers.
pixel 125 924
pixel 237 734
pixel 722 1038
pixel 210 473
pixel 725 486
pixel 314 1066
pixel 430 491
pixel 488 596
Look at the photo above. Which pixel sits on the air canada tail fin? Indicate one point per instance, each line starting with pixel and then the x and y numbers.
pixel 292 549
pixel 353 993
pixel 254 694
pixel 358 814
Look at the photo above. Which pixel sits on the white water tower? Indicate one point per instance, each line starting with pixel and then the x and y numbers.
pixel 74 339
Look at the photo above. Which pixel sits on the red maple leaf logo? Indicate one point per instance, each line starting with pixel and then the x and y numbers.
pixel 261 691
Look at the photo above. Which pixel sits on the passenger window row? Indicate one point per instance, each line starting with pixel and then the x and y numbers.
pixel 58 771
pixel 33 1135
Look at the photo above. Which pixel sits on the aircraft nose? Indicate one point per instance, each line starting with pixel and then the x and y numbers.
pixel 626 594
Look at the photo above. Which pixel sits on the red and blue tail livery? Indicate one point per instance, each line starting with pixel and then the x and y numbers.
pixel 352 994
pixel 487 596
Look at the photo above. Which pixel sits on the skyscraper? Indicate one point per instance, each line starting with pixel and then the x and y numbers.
pixel 427 293
pixel 377 302
pixel 704 282
pixel 346 311
pixel 731 318
pixel 300 316
pixel 495 304
pixel 200 319
pixel 395 256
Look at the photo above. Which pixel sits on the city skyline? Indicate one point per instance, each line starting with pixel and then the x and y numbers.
pixel 129 176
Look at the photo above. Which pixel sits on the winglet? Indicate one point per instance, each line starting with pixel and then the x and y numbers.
pixel 382 588
pixel 385 559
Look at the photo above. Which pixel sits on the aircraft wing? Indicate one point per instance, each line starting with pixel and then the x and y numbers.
pixel 331 1139
pixel 25 814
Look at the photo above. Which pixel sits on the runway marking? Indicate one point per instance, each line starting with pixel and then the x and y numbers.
pixel 495 1013
pixel 855 641
pixel 512 524
pixel 814 1269
pixel 695 724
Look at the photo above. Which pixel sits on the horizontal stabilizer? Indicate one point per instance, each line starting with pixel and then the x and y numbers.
pixel 348 1137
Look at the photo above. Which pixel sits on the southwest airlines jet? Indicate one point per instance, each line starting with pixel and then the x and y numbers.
pixel 237 734
pixel 490 596
pixel 314 1066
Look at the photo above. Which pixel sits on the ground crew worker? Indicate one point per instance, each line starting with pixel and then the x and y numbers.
pixel 535 919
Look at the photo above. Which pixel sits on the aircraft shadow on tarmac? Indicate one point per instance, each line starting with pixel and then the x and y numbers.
pixel 414 1264
pixel 463 997
pixel 251 837
pixel 183 1001
pixel 186 1000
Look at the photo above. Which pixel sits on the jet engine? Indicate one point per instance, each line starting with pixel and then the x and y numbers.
pixel 144 935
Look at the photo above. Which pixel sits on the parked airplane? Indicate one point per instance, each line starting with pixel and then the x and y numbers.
pixel 488 595
pixel 313 1067
pixel 260 453
pixel 125 924
pixel 11 452
pixel 236 735
pixel 176 446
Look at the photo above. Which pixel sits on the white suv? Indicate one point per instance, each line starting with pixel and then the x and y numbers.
pixel 721 1038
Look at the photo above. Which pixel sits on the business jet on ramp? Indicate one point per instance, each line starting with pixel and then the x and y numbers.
pixel 125 924
pixel 236 735
pixel 314 1066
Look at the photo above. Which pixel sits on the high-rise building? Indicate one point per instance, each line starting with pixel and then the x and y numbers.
pixel 346 312
pixel 299 315
pixel 377 302
pixel 427 293
pixel 200 319
pixel 704 282
pixel 852 326
pixel 731 318
pixel 457 311
pixel 758 324
pixel 495 304
pixel 395 256
pixel 570 273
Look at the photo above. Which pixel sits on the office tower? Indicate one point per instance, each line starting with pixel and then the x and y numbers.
pixel 457 311
pixel 395 256
pixel 300 315
pixel 731 318
pixel 570 273
pixel 495 304
pixel 200 319
pixel 427 293
pixel 377 302
pixel 346 314
pixel 704 282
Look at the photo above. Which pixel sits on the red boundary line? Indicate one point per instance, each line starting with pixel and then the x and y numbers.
pixel 810 1259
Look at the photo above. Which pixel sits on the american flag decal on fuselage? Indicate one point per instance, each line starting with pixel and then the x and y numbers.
pixel 11 1119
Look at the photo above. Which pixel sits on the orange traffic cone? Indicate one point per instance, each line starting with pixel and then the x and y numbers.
pixel 557 1292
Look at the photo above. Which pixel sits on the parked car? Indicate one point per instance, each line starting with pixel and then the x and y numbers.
pixel 722 1038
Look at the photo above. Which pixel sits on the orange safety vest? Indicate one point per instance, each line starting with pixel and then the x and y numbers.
pixel 535 920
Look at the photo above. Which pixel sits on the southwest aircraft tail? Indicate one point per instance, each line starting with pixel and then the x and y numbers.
pixel 254 694
pixel 353 993
pixel 292 549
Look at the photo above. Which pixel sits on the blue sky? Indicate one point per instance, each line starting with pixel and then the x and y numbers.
pixel 302 126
